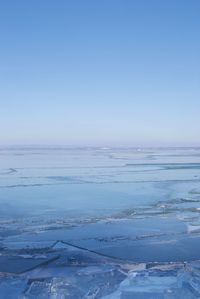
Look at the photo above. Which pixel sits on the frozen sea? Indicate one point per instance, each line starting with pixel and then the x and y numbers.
pixel 104 223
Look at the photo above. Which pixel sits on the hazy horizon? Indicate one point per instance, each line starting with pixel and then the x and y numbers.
pixel 98 147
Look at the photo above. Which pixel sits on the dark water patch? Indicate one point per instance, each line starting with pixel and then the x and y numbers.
pixel 9 171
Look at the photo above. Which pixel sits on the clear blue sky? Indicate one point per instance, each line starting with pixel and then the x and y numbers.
pixel 100 72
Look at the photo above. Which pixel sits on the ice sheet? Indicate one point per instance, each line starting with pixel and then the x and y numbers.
pixel 133 207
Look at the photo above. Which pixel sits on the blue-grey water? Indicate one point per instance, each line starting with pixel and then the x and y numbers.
pixel 99 223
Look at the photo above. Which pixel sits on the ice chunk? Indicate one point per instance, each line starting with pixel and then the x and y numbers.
pixel 168 283
pixel 12 287
pixel 17 264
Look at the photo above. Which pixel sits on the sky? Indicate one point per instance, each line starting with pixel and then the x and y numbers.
pixel 100 72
